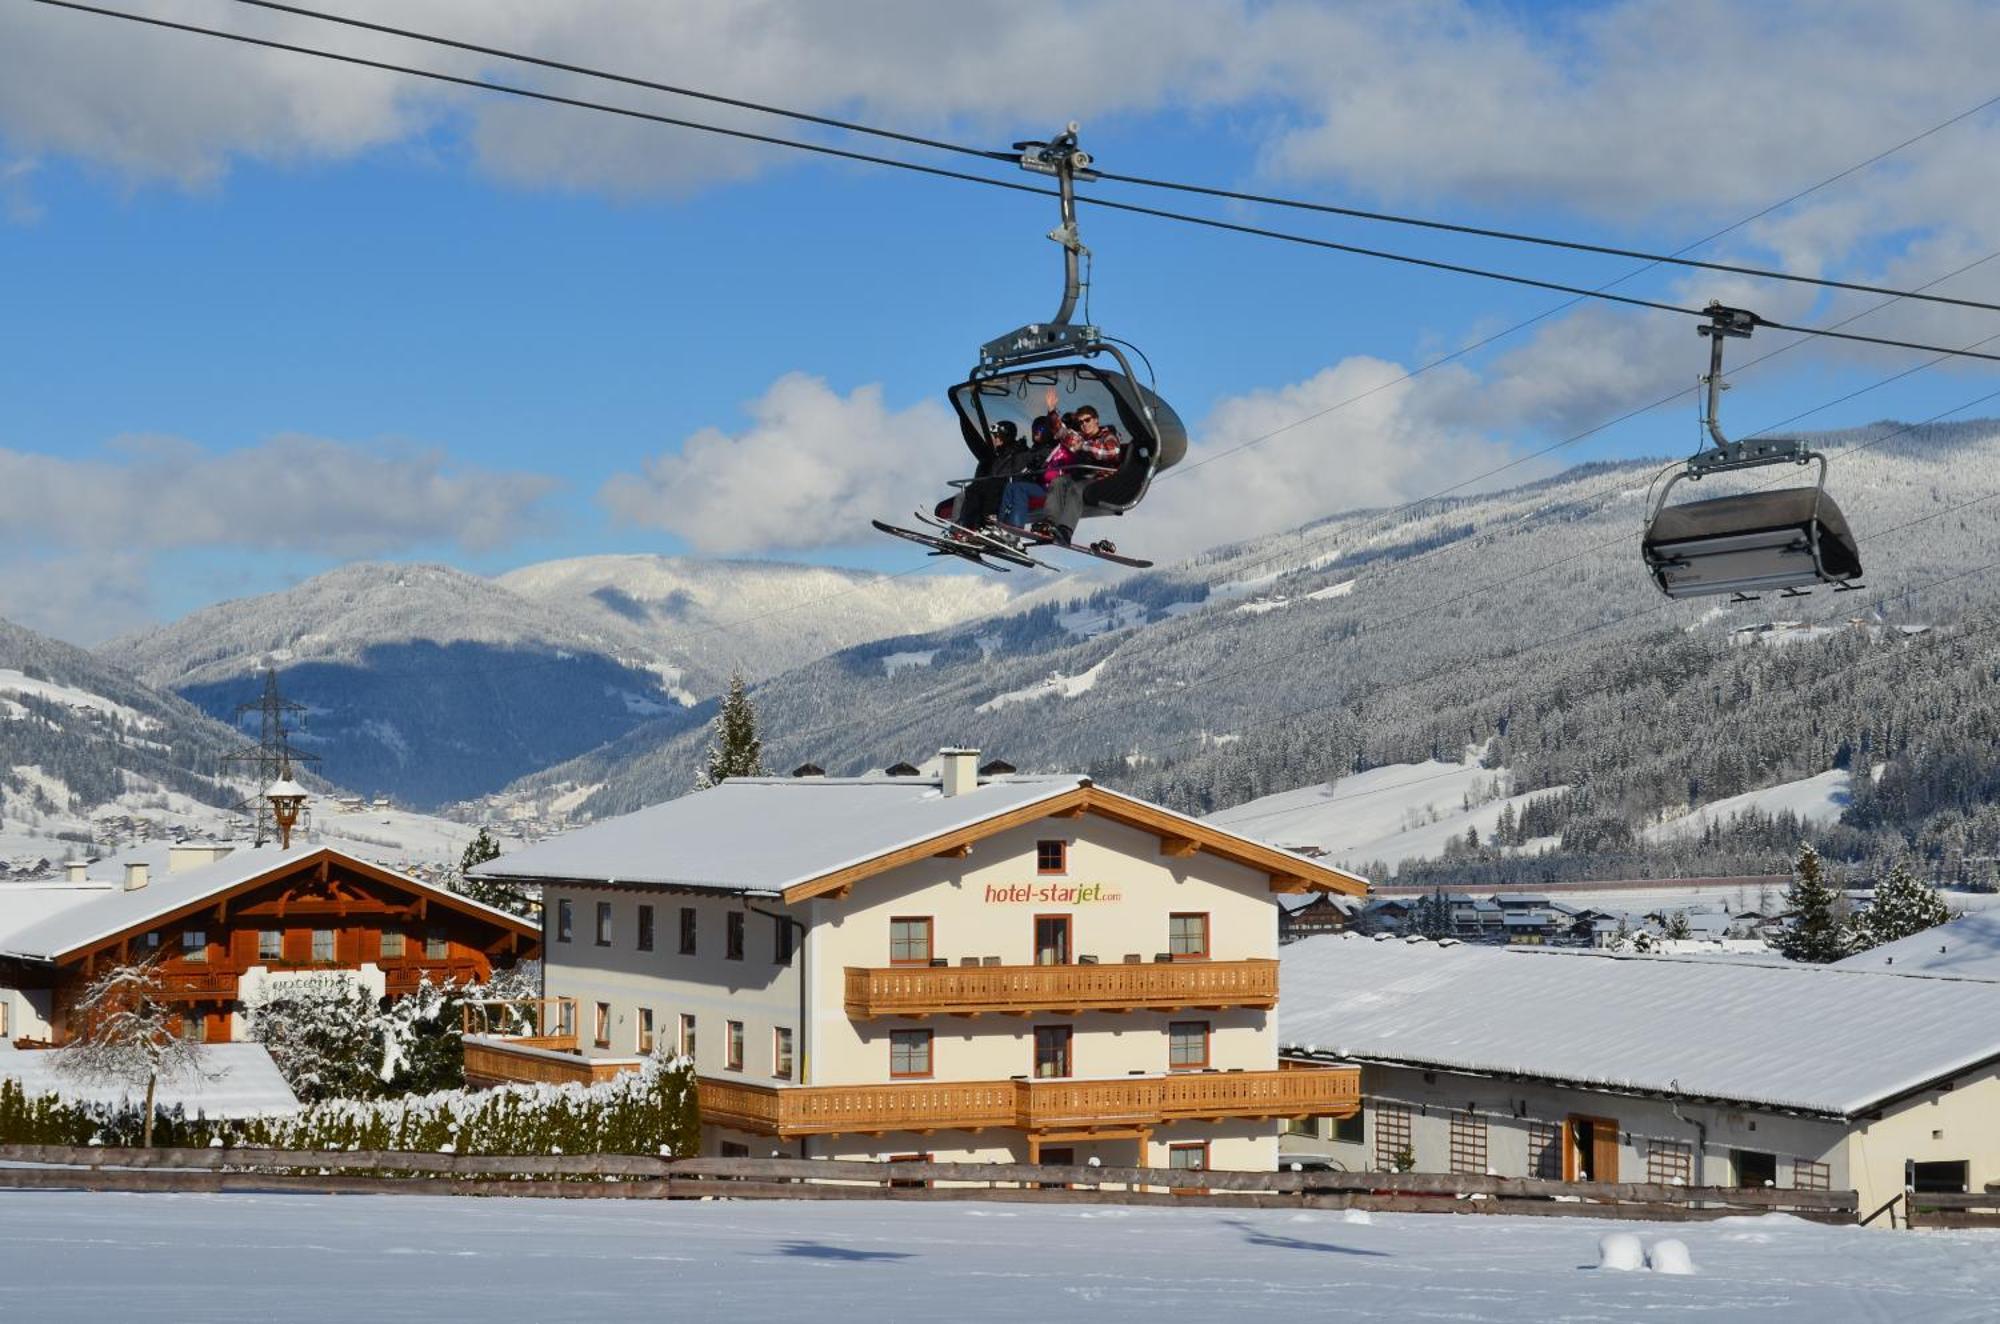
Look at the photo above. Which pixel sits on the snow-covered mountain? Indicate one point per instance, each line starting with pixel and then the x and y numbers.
pixel 714 617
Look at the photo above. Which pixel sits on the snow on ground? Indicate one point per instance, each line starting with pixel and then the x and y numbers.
pixel 1816 800
pixel 897 661
pixel 16 682
pixel 1398 812
pixel 1118 614
pixel 67 1256
pixel 1058 685
pixel 234 1080
pixel 391 836
pixel 1340 590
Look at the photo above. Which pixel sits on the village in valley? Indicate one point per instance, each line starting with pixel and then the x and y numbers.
pixel 557 761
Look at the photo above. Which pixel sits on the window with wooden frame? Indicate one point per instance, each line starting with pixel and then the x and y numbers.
pixel 392 944
pixel 1187 1045
pixel 687 1035
pixel 781 1052
pixel 194 1027
pixel 194 945
pixel 1052 857
pixel 1187 936
pixel 732 944
pixel 910 940
pixel 600 1026
pixel 1669 1162
pixel 1545 1157
pixel 604 924
pixel 1052 939
pixel 322 948
pixel 907 1183
pixel 1808 1175
pixel 782 939
pixel 688 925
pixel 1190 1156
pixel 1468 1144
pixel 645 928
pixel 909 1053
pixel 565 919
pixel 436 946
pixel 733 1046
pixel 1352 1129
pixel 644 1040
pixel 1393 1143
pixel 270 944
pixel 1052 1051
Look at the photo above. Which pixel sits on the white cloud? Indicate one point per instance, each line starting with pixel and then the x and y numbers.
pixel 811 470
pixel 83 599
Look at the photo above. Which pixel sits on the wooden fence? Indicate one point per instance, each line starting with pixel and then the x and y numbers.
pixel 1940 1209
pixel 636 1176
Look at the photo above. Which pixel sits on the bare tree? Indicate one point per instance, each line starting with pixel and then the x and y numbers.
pixel 127 1034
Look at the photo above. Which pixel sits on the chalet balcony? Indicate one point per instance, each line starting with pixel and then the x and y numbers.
pixel 969 990
pixel 198 985
pixel 402 979
pixel 1029 1105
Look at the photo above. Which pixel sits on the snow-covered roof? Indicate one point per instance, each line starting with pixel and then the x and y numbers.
pixel 236 1080
pixel 23 905
pixel 1967 947
pixel 109 911
pixel 768 834
pixel 1810 1038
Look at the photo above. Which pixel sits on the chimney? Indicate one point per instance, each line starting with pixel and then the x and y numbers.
pixel 76 871
pixel 135 875
pixel 960 770
pixel 194 854
pixel 809 770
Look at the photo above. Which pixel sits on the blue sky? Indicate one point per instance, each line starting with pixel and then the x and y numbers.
pixel 508 313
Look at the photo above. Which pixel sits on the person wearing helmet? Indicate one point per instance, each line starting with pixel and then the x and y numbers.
pixel 979 500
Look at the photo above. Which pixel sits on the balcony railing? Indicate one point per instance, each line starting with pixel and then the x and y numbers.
pixel 523 1061
pixel 968 990
pixel 402 979
pixel 198 985
pixel 1029 1105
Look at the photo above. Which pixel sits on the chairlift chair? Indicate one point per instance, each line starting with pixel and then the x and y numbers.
pixel 1781 541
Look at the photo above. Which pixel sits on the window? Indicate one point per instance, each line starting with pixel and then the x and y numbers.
pixel 1187 937
pixel 910 1053
pixel 1810 1176
pixel 687 930
pixel 1350 1130
pixel 604 924
pixel 687 1034
pixel 732 936
pixel 645 928
pixel 194 945
pixel 735 1149
pixel 735 1046
pixel 565 916
pixel 1187 1045
pixel 322 944
pixel 1945 1177
pixel 907 1183
pixel 1189 1157
pixel 194 1027
pixel 781 948
pixel 1302 1126
pixel 436 946
pixel 1468 1143
pixel 1393 1149
pixel 1754 1167
pixel 392 943
pixel 152 942
pixel 1052 1051
pixel 781 1053
pixel 270 945
pixel 645 1030
pixel 1669 1162
pixel 910 941
pixel 1052 940
pixel 1052 857
pixel 1545 1159
pixel 601 1026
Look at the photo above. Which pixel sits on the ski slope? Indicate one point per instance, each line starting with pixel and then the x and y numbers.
pixel 1816 800
pixel 71 1258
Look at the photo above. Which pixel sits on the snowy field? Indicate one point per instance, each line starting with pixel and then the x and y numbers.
pixel 69 1256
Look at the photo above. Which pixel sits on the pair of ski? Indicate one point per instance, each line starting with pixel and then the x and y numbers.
pixel 1002 543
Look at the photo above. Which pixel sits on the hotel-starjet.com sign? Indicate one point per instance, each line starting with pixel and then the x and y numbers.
pixel 1050 894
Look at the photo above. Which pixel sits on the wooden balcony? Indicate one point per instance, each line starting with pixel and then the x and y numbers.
pixel 526 1061
pixel 198 985
pixel 1028 1105
pixel 402 979
pixel 970 990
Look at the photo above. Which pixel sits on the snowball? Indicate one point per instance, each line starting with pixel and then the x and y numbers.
pixel 1094 1161
pixel 1360 1217
pixel 1620 1251
pixel 1670 1256
pixel 215 1142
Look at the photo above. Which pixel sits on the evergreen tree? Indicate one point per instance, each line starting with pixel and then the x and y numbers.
pixel 1904 904
pixel 1819 931
pixel 500 893
pixel 478 851
pixel 734 748
pixel 1677 926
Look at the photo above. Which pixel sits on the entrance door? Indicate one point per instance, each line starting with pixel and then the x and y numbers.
pixel 1754 1168
pixel 1063 1157
pixel 1591 1153
pixel 1052 940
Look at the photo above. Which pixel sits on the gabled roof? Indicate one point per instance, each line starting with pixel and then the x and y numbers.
pixel 112 912
pixel 1807 1038
pixel 802 838
pixel 1967 947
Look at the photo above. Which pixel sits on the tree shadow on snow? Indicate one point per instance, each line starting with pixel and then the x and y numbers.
pixel 1257 1236
pixel 814 1250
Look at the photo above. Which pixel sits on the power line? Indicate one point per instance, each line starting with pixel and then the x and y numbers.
pixel 939 144
pixel 822 149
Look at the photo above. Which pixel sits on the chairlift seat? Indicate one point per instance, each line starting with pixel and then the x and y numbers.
pixel 1752 542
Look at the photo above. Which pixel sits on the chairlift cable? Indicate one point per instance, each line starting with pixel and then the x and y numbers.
pixel 939 172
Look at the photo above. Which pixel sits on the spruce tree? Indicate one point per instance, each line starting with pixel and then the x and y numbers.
pixel 1677 926
pixel 500 893
pixel 1904 904
pixel 734 749
pixel 1819 932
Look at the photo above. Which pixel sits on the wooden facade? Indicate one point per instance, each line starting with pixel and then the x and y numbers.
pixel 1132 985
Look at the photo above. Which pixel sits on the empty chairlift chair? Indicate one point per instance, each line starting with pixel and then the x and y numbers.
pixel 1782 540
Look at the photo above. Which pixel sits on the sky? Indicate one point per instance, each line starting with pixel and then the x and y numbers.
pixel 265 314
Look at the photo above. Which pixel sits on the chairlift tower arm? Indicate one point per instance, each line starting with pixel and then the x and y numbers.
pixel 1062 158
pixel 1725 323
